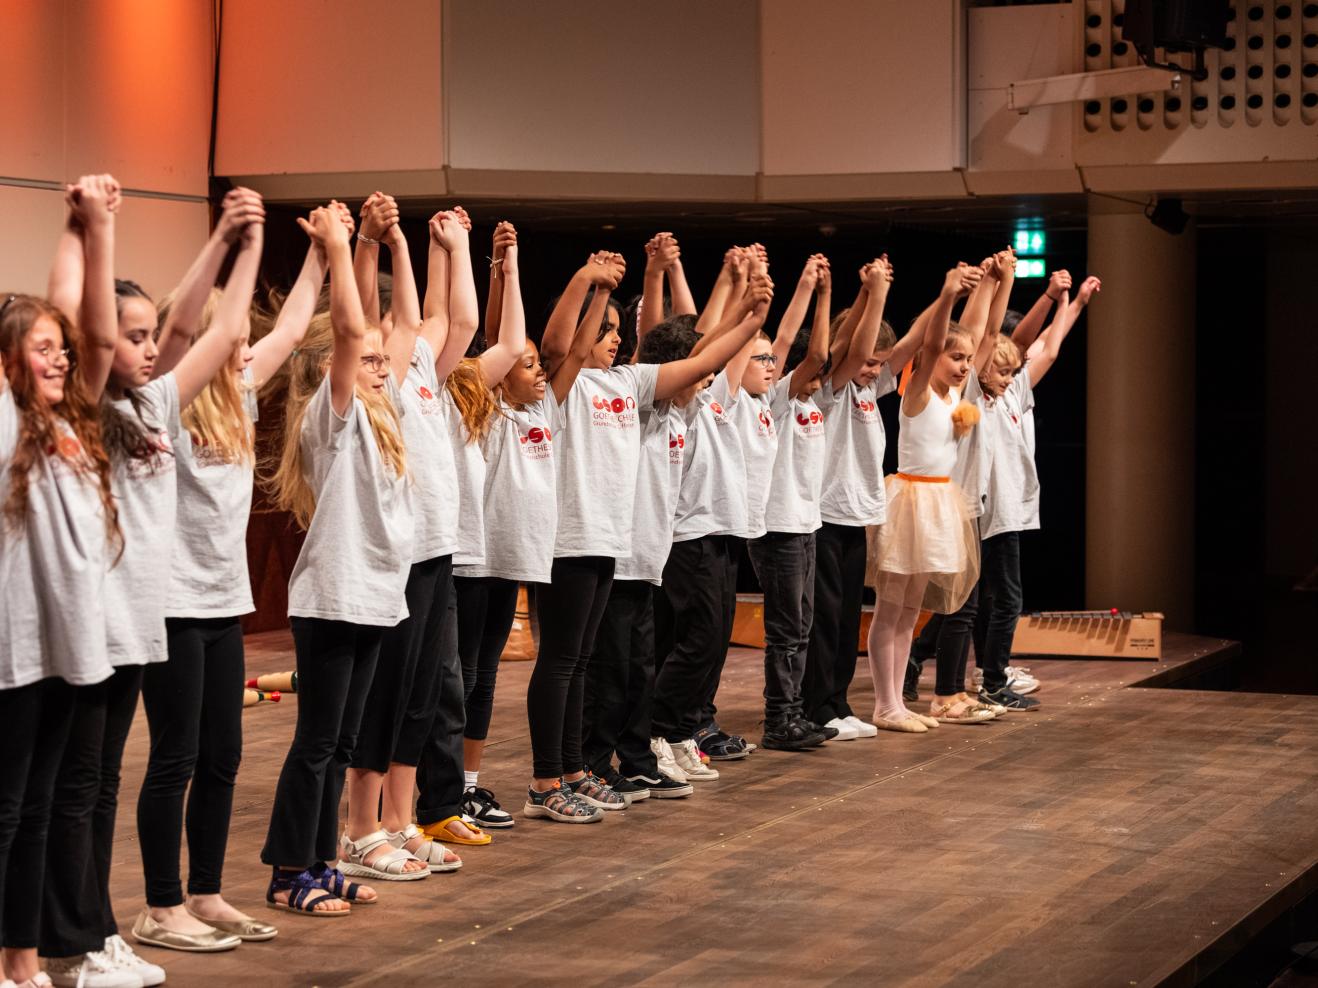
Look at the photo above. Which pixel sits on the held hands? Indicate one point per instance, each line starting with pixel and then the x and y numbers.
pixel 759 294
pixel 92 200
pixel 1004 264
pixel 328 226
pixel 447 231
pixel 815 270
pixel 1090 287
pixel 505 236
pixel 662 252
pixel 242 208
pixel 1058 282
pixel 380 218
pixel 963 279
pixel 876 276
pixel 604 269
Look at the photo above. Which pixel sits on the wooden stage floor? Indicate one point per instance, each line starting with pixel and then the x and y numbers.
pixel 1117 836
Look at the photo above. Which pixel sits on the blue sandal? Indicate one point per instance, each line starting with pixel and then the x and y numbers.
pixel 304 893
pixel 336 882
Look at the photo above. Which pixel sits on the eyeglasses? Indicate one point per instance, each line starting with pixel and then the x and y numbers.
pixel 375 361
pixel 768 359
pixel 52 354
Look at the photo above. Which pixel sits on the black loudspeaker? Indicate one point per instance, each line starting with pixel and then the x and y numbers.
pixel 1176 25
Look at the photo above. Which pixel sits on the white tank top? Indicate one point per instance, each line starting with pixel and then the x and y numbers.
pixel 926 443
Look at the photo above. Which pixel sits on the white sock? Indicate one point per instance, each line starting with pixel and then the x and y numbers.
pixel 470 778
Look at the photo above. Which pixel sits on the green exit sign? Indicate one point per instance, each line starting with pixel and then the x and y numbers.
pixel 1030 243
pixel 1031 267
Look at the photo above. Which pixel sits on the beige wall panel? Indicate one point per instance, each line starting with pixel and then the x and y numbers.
pixel 862 86
pixel 648 88
pixel 1006 45
pixel 32 222
pixel 138 83
pixel 32 88
pixel 332 86
pixel 156 240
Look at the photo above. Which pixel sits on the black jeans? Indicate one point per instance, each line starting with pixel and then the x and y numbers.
pixel 439 765
pixel 1000 605
pixel 707 714
pixel 571 607
pixel 620 684
pixel 486 605
pixel 830 662
pixel 194 711
pixel 75 908
pixel 955 635
pixel 404 649
pixel 37 719
pixel 696 614
pixel 785 566
pixel 335 664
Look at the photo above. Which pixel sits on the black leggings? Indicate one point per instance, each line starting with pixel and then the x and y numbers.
pixel 75 908
pixel 486 605
pixel 570 610
pixel 335 664
pixel 36 720
pixel 194 710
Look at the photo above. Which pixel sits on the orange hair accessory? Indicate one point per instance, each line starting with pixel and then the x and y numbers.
pixel 907 371
pixel 964 418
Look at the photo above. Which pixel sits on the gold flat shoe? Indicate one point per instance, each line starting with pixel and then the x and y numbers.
pixel 147 930
pixel 247 930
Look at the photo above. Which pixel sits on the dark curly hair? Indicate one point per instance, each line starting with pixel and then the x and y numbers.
pixel 673 339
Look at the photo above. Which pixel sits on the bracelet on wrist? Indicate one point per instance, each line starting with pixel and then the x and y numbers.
pixel 1050 298
pixel 363 238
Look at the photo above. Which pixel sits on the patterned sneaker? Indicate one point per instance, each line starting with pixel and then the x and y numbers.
pixel 662 787
pixel 1009 698
pixel 663 754
pixel 484 810
pixel 595 791
pixel 560 806
pixel 687 756
pixel 1020 681
pixel 630 790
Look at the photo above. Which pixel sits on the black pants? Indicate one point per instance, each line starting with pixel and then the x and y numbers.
pixel 785 566
pixel 194 710
pixel 1000 605
pixel 830 663
pixel 696 613
pixel 75 908
pixel 620 684
pixel 438 737
pixel 37 719
pixel 335 664
pixel 951 637
pixel 486 605
pixel 571 607
pixel 404 649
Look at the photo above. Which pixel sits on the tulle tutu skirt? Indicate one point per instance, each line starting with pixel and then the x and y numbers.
pixel 929 535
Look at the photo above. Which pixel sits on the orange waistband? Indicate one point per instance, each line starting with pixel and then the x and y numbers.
pixel 924 480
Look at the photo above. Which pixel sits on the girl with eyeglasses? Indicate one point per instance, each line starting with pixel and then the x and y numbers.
pixel 343 476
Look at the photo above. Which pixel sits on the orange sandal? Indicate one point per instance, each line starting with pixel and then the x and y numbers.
pixel 439 831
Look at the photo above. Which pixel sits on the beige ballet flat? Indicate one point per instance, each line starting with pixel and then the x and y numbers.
pixel 908 726
pixel 248 930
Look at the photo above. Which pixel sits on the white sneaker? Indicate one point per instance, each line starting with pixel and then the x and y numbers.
pixel 664 755
pixel 862 729
pixel 91 970
pixel 1020 681
pixel 845 732
pixel 688 760
pixel 118 950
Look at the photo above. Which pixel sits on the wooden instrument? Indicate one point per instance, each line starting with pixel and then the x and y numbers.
pixel 284 682
pixel 521 644
pixel 252 697
pixel 1110 634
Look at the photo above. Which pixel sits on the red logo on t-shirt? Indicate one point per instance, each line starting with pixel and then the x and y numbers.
pixel 425 392
pixel 864 410
pixel 614 413
pixel 676 442
pixel 716 408
pixel 814 418
pixel 70 448
pixel 536 443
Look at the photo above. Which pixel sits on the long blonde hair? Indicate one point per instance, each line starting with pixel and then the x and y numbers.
pixel 475 401
pixel 217 418
pixel 287 481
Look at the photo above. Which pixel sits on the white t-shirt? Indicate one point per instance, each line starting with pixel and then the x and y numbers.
pixel 1012 504
pixel 429 458
pixel 209 576
pixel 798 469
pixel 712 497
pixel 52 571
pixel 469 470
pixel 754 416
pixel 599 457
pixel 357 554
pixel 521 496
pixel 663 444
pixel 853 492
pixel 974 451
pixel 146 493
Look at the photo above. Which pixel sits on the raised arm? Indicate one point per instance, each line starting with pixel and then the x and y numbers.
pixel 1088 288
pixel 864 320
pixel 601 268
pixel 183 320
pixel 974 317
pixel 434 314
pixel 379 215
pixel 724 348
pixel 346 317
pixel 404 324
pixel 725 288
pixel 962 279
pixel 817 352
pixel 98 320
pixel 504 234
pixel 213 350
pixel 1027 330
pixel 1004 273
pixel 271 350
pixel 499 358
pixel 1052 339
pixel 67 269
pixel 463 308
pixel 680 298
pixel 659 253
pixel 564 373
pixel 790 324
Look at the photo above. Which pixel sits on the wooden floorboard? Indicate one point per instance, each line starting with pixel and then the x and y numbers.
pixel 1118 836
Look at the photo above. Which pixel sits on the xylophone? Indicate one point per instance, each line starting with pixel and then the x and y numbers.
pixel 1112 633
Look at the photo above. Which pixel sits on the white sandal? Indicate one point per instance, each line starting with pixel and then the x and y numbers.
pixel 387 867
pixel 432 852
